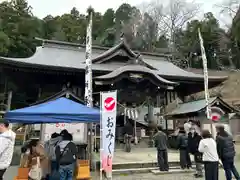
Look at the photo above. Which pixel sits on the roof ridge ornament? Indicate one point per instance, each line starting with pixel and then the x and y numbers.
pixel 122 39
pixel 43 43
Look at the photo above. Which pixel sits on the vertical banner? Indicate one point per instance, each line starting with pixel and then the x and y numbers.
pixel 88 82
pixel 205 71
pixel 88 70
pixel 108 127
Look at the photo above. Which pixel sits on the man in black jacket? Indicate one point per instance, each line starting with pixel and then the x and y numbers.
pixel 226 152
pixel 161 143
pixel 185 161
pixel 193 142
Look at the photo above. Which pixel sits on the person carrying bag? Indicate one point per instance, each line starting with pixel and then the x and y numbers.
pixel 55 174
pixel 66 152
pixel 35 172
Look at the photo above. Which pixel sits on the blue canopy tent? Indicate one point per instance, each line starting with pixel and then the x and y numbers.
pixel 59 110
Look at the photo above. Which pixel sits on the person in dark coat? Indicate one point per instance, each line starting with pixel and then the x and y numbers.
pixel 183 149
pixel 66 157
pixel 193 142
pixel 161 143
pixel 226 152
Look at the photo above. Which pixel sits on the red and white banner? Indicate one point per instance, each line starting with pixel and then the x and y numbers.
pixel 108 127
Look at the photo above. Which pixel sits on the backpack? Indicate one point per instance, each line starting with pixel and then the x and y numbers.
pixel 67 156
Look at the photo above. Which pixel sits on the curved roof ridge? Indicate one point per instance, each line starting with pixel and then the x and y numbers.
pixel 122 45
pixel 71 48
pixel 134 68
pixel 65 43
pixel 38 50
pixel 103 48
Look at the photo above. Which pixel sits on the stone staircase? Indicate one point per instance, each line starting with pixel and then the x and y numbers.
pixel 141 161
pixel 136 168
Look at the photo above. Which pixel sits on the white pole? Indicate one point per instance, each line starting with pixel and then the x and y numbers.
pixel 88 78
pixel 205 71
pixel 135 127
pixel 101 144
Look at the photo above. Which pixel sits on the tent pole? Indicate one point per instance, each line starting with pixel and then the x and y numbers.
pixel 42 130
pixel 42 126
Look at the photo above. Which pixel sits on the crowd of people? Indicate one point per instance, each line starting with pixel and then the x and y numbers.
pixel 208 151
pixel 57 157
pixel 54 160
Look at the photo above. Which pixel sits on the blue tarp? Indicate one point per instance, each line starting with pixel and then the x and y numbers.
pixel 59 110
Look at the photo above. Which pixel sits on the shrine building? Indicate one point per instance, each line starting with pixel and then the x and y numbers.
pixel 137 76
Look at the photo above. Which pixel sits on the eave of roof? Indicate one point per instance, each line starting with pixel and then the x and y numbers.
pixel 65 92
pixel 195 106
pixel 189 107
pixel 137 69
pixel 170 71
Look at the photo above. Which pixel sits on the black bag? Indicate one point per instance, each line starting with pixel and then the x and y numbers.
pixel 198 157
pixel 55 175
pixel 68 156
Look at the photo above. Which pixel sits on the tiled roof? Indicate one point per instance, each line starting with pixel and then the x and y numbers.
pixel 73 57
pixel 192 106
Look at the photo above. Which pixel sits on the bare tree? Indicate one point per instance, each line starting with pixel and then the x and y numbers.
pixel 171 17
pixel 227 11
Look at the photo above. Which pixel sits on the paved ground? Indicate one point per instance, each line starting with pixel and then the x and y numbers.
pixel 12 171
pixel 140 156
pixel 144 155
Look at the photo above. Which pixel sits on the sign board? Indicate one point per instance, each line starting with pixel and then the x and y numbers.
pixel 216 113
pixel 76 129
pixel 108 128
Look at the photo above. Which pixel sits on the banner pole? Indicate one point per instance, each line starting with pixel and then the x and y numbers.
pixel 88 82
pixel 101 146
pixel 205 72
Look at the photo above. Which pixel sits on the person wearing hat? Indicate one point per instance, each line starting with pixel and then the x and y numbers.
pixel 7 141
pixel 226 152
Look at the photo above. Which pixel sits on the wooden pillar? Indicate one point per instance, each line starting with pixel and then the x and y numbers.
pixel 9 102
pixel 150 121
pixel 150 111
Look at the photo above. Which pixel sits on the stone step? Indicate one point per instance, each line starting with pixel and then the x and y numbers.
pixel 133 165
pixel 154 170
pixel 173 171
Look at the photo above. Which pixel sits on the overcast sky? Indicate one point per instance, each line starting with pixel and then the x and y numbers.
pixel 41 8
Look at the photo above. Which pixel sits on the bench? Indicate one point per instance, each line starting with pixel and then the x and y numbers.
pixel 83 170
pixel 22 174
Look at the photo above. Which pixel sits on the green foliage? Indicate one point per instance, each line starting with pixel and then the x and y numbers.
pixel 19 27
